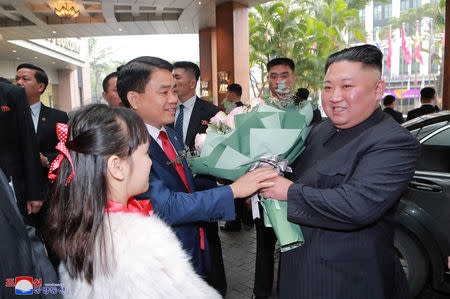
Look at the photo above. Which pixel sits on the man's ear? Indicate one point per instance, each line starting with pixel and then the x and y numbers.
pixel 116 168
pixel 193 84
pixel 133 99
pixel 380 89
pixel 41 87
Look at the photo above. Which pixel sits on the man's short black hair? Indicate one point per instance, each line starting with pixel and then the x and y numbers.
pixel 105 82
pixel 389 99
pixel 427 93
pixel 236 88
pixel 368 55
pixel 39 75
pixel 302 94
pixel 188 67
pixel 281 61
pixel 134 75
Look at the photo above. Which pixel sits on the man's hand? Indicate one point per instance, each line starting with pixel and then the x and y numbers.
pixel 44 160
pixel 34 206
pixel 278 190
pixel 252 181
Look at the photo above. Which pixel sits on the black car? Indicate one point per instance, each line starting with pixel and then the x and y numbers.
pixel 423 237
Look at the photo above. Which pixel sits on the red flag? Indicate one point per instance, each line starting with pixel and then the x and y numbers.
pixel 389 50
pixel 443 39
pixel 406 54
pixel 418 48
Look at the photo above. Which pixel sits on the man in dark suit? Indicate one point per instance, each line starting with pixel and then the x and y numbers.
pixel 389 104
pixel 427 96
pixel 110 90
pixel 146 85
pixel 34 80
pixel 345 188
pixel 19 155
pixel 192 118
pixel 234 94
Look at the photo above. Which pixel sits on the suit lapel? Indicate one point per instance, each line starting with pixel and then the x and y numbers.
pixel 177 145
pixel 42 122
pixel 158 155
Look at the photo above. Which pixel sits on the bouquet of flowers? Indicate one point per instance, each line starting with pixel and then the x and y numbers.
pixel 260 131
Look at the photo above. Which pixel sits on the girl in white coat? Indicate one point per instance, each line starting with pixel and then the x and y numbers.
pixel 110 245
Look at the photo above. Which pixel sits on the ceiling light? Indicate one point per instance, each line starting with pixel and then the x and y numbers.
pixel 53 62
pixel 199 3
pixel 18 58
pixel 35 57
pixel 14 51
pixel 120 29
pixel 66 9
pixel 54 32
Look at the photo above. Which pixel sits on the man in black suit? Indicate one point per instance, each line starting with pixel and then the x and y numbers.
pixel 191 118
pixel 35 81
pixel 19 155
pixel 427 96
pixel 345 189
pixel 234 93
pixel 110 90
pixel 389 104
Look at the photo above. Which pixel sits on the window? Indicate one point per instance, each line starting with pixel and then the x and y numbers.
pixel 404 5
pixel 377 13
pixel 388 11
pixel 435 154
pixel 362 16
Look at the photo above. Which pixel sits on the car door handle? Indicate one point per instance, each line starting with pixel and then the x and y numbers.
pixel 425 186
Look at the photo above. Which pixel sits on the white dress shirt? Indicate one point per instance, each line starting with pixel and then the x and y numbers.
pixel 188 107
pixel 35 111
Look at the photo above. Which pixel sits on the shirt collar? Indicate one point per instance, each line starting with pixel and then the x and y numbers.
pixel 189 104
pixel 373 119
pixel 36 108
pixel 153 131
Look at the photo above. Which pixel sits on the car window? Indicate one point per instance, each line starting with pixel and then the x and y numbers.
pixel 435 154
pixel 442 138
pixel 419 133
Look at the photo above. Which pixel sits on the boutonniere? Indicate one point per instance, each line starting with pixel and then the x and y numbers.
pixel 186 155
pixel 204 122
pixel 5 108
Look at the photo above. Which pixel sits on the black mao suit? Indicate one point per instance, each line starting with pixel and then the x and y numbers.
pixel 347 185
pixel 19 154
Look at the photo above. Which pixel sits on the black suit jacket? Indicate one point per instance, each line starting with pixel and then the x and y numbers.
pixel 15 247
pixel 19 154
pixel 198 123
pixel 347 185
pixel 422 110
pixel 395 114
pixel 47 138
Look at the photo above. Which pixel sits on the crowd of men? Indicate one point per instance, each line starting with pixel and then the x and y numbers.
pixel 338 192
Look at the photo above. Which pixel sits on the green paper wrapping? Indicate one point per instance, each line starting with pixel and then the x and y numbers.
pixel 289 234
pixel 268 131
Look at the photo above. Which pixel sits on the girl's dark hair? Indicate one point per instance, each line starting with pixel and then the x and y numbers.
pixel 77 211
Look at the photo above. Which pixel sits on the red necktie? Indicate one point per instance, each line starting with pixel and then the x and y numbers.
pixel 172 155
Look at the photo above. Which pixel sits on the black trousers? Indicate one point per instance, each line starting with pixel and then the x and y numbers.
pixel 216 277
pixel 265 249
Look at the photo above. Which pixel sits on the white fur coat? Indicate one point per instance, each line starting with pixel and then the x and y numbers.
pixel 149 263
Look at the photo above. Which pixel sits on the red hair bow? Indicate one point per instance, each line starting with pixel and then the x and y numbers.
pixel 62 130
